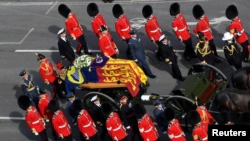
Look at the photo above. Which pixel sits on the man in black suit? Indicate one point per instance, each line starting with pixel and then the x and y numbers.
pixel 64 46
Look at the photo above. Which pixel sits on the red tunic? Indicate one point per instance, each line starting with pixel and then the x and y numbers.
pixel 43 107
pixel 61 124
pixel 34 120
pixel 153 29
pixel 107 45
pixel 122 27
pixel 199 134
pixel 147 129
pixel 235 27
pixel 180 27
pixel 73 26
pixel 204 27
pixel 96 24
pixel 175 132
pixel 85 124
pixel 47 71
pixel 115 127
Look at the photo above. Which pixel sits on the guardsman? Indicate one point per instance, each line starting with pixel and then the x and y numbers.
pixel 199 132
pixel 64 46
pixel 106 44
pixel 236 28
pixel 60 80
pixel 159 115
pixel 181 30
pixel 232 51
pixel 74 28
pixel 174 130
pixel 225 118
pixel 98 20
pixel 145 124
pixel 47 72
pixel 130 117
pixel 60 122
pixel 33 119
pixel 115 128
pixel 203 26
pixel 85 123
pixel 28 86
pixel 168 54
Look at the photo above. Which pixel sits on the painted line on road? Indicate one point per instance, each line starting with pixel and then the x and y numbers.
pixel 52 6
pixel 34 50
pixel 11 118
pixel 20 42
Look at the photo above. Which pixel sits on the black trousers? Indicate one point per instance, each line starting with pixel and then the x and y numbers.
pixel 70 57
pixel 93 138
pixel 82 44
pixel 189 50
pixel 68 138
pixel 212 46
pixel 43 135
pixel 176 70
pixel 245 53
pixel 114 56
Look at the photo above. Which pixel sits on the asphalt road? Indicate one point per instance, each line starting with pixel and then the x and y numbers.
pixel 19 18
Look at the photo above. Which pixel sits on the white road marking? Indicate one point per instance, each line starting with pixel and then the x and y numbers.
pixel 20 42
pixel 212 21
pixel 11 118
pixel 52 6
pixel 34 50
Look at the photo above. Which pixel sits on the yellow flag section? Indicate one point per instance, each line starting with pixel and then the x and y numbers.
pixel 122 71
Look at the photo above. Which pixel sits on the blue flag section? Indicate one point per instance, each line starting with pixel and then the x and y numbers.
pixel 229 132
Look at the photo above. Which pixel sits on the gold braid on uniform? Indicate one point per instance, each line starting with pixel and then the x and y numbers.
pixel 203 51
pixel 231 51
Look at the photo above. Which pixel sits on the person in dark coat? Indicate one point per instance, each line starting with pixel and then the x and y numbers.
pixel 232 51
pixel 168 54
pixel 159 115
pixel 64 46
pixel 138 54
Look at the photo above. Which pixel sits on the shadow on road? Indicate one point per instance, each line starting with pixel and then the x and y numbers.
pixel 54 29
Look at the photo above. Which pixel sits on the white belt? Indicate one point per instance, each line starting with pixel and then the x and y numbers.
pixel 155 30
pixel 125 29
pixel 117 128
pixel 178 136
pixel 204 138
pixel 62 126
pixel 182 29
pixel 35 122
pixel 149 129
pixel 206 30
pixel 87 125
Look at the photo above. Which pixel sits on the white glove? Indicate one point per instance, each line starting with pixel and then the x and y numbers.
pixel 108 56
pixel 180 39
pixel 123 38
pixel 130 105
pixel 238 34
pixel 61 136
pixel 116 50
pixel 36 133
pixel 136 60
pixel 128 127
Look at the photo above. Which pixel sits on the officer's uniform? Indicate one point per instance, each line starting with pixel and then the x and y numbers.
pixel 203 26
pixel 64 47
pixel 168 54
pixel 145 124
pixel 159 116
pixel 29 88
pixel 70 108
pixel 60 122
pixel 43 106
pixel 74 28
pixel 114 126
pixel 236 28
pixel 107 45
pixel 181 30
pixel 33 119
pixel 232 51
pixel 47 72
pixel 199 131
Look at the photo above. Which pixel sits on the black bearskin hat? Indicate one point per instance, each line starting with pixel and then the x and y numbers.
pixel 194 117
pixel 117 10
pixel 174 9
pixel 245 118
pixel 198 11
pixel 231 12
pixel 40 56
pixel 147 11
pixel 64 10
pixel 78 105
pixel 169 114
pixel 92 9
pixel 24 102
pixel 53 106
pixel 106 109
pixel 140 110
pixel 224 117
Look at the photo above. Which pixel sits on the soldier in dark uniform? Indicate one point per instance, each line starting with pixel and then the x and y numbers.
pixel 168 54
pixel 232 51
pixel 28 86
pixel 64 46
pixel 129 116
